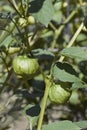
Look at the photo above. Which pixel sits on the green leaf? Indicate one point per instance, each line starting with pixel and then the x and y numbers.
pixel 81 124
pixel 63 75
pixel 58 13
pixel 58 16
pixel 81 38
pixel 78 85
pixel 62 125
pixel 75 52
pixel 42 52
pixel 58 5
pixel 5 33
pixel 42 10
pixel 7 41
pixel 32 113
pixel 3 78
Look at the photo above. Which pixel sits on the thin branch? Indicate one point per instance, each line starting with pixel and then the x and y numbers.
pixel 72 41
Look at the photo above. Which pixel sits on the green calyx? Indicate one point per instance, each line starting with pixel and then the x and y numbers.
pixel 25 67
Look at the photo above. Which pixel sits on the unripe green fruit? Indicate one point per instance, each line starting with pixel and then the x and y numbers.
pixel 31 20
pixel 25 67
pixel 74 99
pixel 58 95
pixel 22 22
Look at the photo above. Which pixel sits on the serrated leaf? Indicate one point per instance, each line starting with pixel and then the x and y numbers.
pixel 42 10
pixel 75 52
pixel 62 125
pixel 81 124
pixel 63 75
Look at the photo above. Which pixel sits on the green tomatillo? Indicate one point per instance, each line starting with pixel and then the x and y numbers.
pixel 22 22
pixel 58 95
pixel 25 67
pixel 75 98
pixel 31 20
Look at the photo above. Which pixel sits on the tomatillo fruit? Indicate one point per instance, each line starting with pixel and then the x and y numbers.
pixel 22 22
pixel 25 67
pixel 58 95
pixel 31 20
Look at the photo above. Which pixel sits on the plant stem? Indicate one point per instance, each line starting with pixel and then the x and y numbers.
pixel 43 74
pixel 52 26
pixel 27 42
pixel 59 30
pixel 47 81
pixel 81 2
pixel 72 41
pixel 44 101
pixel 15 7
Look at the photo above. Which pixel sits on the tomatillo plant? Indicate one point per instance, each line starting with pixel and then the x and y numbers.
pixel 25 67
pixel 33 31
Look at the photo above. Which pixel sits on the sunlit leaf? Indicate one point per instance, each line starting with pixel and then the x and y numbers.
pixel 42 10
pixel 82 124
pixel 62 125
pixel 60 73
pixel 75 52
